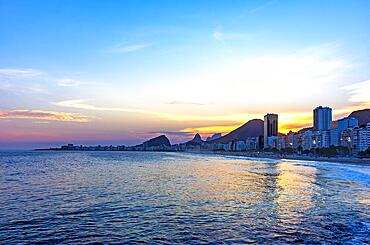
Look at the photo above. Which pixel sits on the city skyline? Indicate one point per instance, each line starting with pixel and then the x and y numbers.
pixel 348 135
pixel 122 72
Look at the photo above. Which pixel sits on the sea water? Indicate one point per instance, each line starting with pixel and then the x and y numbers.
pixel 153 197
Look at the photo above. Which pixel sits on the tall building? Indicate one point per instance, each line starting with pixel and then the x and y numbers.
pixel 361 139
pixel 322 118
pixel 270 128
pixel 337 128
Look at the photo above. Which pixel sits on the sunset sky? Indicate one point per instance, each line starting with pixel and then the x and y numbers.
pixel 120 72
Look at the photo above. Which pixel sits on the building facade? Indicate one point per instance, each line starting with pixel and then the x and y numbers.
pixel 322 117
pixel 270 128
pixel 338 127
pixel 321 139
pixel 334 137
pixel 361 138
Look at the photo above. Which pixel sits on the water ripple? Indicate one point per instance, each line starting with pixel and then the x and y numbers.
pixel 166 198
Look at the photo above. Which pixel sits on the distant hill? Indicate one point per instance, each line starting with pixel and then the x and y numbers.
pixel 196 140
pixel 363 116
pixel 157 141
pixel 252 128
pixel 213 137
pixel 305 129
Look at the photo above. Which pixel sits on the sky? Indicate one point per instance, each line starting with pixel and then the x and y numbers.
pixel 120 72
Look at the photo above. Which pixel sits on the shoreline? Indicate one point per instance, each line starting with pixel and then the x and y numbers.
pixel 350 160
pixel 260 155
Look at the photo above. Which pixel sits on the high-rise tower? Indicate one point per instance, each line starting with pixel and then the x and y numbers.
pixel 270 127
pixel 322 117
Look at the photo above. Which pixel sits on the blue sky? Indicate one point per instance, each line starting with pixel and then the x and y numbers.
pixel 182 66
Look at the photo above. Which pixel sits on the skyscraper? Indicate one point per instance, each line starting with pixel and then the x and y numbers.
pixel 322 117
pixel 270 127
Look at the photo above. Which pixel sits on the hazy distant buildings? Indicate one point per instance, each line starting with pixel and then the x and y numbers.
pixel 270 128
pixel 306 139
pixel 272 142
pixel 292 140
pixel 282 142
pixel 252 143
pixel 238 145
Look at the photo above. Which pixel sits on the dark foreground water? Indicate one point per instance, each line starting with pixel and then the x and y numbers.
pixel 127 197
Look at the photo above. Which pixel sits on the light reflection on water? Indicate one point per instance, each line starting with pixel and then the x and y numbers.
pixel 175 198
pixel 296 186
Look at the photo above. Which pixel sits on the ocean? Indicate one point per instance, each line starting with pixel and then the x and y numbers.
pixel 170 198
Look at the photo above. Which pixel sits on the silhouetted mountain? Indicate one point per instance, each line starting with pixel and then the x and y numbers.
pixel 213 137
pixel 305 129
pixel 157 141
pixel 196 140
pixel 363 116
pixel 252 128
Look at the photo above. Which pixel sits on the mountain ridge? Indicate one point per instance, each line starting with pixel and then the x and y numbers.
pixel 363 116
pixel 156 141
pixel 252 128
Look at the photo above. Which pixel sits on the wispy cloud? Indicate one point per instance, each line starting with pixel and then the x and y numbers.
pixel 33 81
pixel 24 89
pixel 69 82
pixel 208 130
pixel 21 81
pixel 260 7
pixel 219 35
pixel 13 73
pixel 82 104
pixel 44 115
pixel 175 102
pixel 359 92
pixel 127 48
pixel 275 75
pixel 173 133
